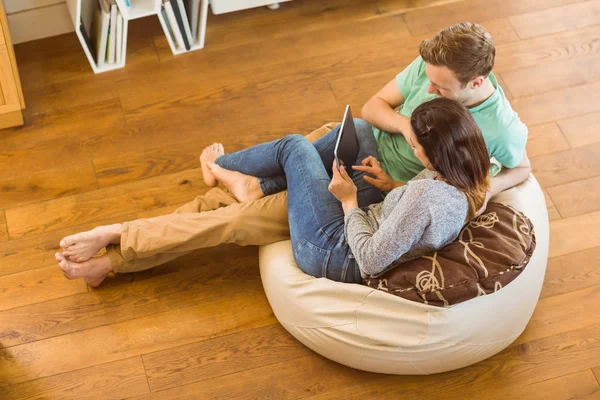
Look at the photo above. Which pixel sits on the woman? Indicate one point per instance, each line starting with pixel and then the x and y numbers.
pixel 333 234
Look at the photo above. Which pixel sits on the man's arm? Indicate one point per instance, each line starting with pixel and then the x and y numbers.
pixel 379 110
pixel 508 178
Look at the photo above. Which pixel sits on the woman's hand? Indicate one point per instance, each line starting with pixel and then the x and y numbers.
pixel 381 180
pixel 343 188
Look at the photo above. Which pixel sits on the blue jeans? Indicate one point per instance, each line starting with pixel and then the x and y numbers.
pixel 316 217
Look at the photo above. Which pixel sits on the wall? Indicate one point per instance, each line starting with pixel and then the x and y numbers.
pixel 36 19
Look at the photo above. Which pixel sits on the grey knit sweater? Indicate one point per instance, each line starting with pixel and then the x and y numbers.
pixel 415 219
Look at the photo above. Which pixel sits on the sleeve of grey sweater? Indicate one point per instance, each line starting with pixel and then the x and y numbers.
pixel 373 249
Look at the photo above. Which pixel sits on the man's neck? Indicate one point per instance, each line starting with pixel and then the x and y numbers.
pixel 481 94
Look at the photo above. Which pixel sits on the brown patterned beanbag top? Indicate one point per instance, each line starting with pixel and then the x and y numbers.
pixel 491 251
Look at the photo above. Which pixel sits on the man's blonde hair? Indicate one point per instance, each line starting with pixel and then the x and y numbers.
pixel 465 48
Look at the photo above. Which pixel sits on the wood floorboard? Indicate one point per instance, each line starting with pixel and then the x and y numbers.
pixel 571 272
pixel 115 380
pixel 182 283
pixel 551 357
pixel 106 203
pixel 567 166
pixel 557 19
pixel 553 213
pixel 68 122
pixel 219 357
pixel 46 100
pixel 286 380
pixel 3 229
pixel 545 139
pixel 295 70
pixel 581 130
pixel 577 306
pixel 37 286
pixel 578 385
pixel 134 337
pixel 437 18
pixel 554 75
pixel 576 198
pixel 107 148
pixel 558 104
pixel 547 49
pixel 48 184
pixel 569 235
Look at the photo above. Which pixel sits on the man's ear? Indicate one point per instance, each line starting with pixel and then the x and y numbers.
pixel 477 82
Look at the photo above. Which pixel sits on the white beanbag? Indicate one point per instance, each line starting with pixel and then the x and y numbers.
pixel 374 331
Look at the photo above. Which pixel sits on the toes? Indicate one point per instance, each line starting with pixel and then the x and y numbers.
pixel 63 265
pixel 66 242
pixel 221 149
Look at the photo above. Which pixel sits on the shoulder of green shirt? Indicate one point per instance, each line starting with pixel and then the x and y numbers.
pixel 407 77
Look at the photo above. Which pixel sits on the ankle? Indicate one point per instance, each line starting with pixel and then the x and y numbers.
pixel 107 265
pixel 114 233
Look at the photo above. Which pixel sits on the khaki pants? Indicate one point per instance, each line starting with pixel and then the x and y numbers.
pixel 210 220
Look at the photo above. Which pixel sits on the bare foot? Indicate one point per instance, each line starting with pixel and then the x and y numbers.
pixel 243 187
pixel 85 245
pixel 210 154
pixel 92 271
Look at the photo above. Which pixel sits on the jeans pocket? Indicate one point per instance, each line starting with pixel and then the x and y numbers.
pixel 312 259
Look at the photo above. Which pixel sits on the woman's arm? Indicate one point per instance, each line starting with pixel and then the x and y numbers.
pixel 375 249
pixel 350 204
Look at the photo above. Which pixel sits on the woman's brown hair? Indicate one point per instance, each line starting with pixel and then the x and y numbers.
pixel 454 145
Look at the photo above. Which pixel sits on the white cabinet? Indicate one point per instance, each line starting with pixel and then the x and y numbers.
pixel 225 6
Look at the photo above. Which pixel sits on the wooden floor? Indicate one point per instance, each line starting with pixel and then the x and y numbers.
pixel 123 145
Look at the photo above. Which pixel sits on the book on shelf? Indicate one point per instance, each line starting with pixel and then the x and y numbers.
pixel 169 31
pixel 182 22
pixel 201 29
pixel 192 7
pixel 100 31
pixel 86 38
pixel 87 14
pixel 112 33
pixel 120 22
pixel 172 21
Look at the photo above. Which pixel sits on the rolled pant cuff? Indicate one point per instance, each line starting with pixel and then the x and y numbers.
pixel 127 251
pixel 117 262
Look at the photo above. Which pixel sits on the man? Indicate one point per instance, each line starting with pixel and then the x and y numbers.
pixel 456 64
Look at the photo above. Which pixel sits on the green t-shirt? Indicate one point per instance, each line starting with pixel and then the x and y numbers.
pixel 504 133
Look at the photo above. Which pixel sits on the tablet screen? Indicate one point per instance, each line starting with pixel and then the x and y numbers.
pixel 346 146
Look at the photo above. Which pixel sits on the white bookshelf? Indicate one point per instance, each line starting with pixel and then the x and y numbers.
pixel 138 9
pixel 199 44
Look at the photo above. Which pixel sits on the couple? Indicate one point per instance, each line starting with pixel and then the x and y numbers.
pixel 340 228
